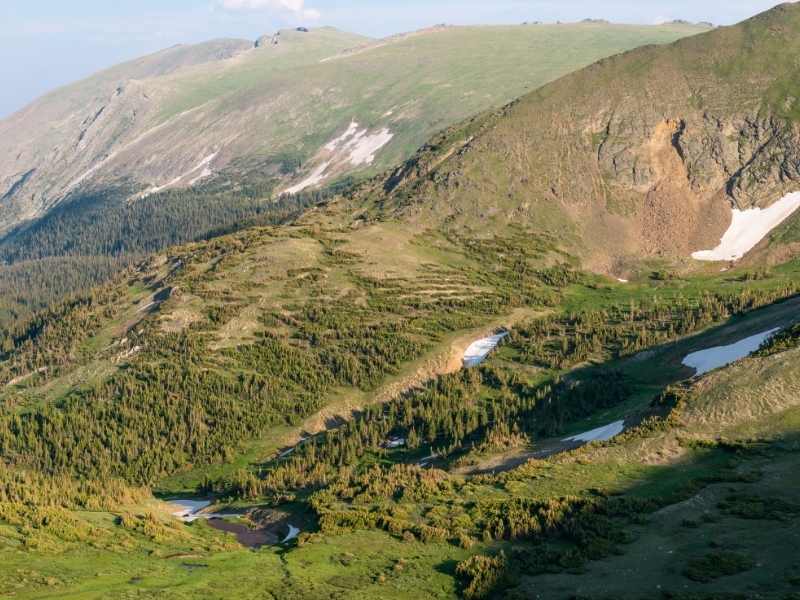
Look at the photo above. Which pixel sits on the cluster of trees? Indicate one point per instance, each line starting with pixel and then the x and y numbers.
pixel 569 532
pixel 49 340
pixel 85 241
pixel 18 486
pixel 784 340
pixel 177 402
pixel 481 575
pixel 452 415
pixel 492 406
pixel 560 342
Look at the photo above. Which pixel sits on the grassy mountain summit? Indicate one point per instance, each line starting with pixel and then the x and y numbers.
pixel 641 154
pixel 228 108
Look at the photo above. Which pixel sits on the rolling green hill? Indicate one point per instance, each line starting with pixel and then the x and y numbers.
pixel 227 108
pixel 198 140
pixel 641 154
pixel 307 375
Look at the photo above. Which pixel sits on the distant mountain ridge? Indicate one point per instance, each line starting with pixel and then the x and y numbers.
pixel 641 155
pixel 176 118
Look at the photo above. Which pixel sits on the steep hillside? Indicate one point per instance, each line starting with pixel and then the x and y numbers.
pixel 298 105
pixel 644 154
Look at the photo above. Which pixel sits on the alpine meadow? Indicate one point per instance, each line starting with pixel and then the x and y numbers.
pixel 471 312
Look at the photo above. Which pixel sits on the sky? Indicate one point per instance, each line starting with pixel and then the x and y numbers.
pixel 48 43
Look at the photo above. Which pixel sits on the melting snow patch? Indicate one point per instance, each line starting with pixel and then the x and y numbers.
pixel 363 147
pixel 355 146
pixel 601 434
pixel 206 172
pixel 186 510
pixel 749 227
pixel 316 176
pixel 293 533
pixel 480 349
pixel 334 143
pixel 358 146
pixel 707 360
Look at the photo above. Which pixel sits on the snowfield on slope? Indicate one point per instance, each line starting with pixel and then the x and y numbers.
pixel 480 349
pixel 316 176
pixel 749 227
pixel 355 147
pixel 601 434
pixel 710 359
pixel 205 173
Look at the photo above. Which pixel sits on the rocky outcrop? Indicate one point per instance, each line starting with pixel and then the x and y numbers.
pixel 754 160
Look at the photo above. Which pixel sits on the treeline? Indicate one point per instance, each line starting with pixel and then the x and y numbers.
pixel 176 402
pixel 491 405
pixel 85 241
pixel 169 408
pixel 561 342
pixel 451 416
pixel 114 223
pixel 50 339
pixel 782 341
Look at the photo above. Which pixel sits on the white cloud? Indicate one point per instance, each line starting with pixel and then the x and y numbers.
pixel 295 7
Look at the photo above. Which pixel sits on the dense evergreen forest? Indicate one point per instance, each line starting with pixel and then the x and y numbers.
pixel 491 407
pixel 89 238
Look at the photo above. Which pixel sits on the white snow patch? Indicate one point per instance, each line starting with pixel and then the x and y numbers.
pixel 293 533
pixel 601 434
pixel 749 227
pixel 206 172
pixel 622 280
pixel 480 349
pixel 358 146
pixel 395 443
pixel 160 188
pixel 350 132
pixel 187 510
pixel 710 359
pixel 363 147
pixel 316 176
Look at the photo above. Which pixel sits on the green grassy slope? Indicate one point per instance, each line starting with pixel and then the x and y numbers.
pixel 274 107
pixel 708 481
pixel 641 154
